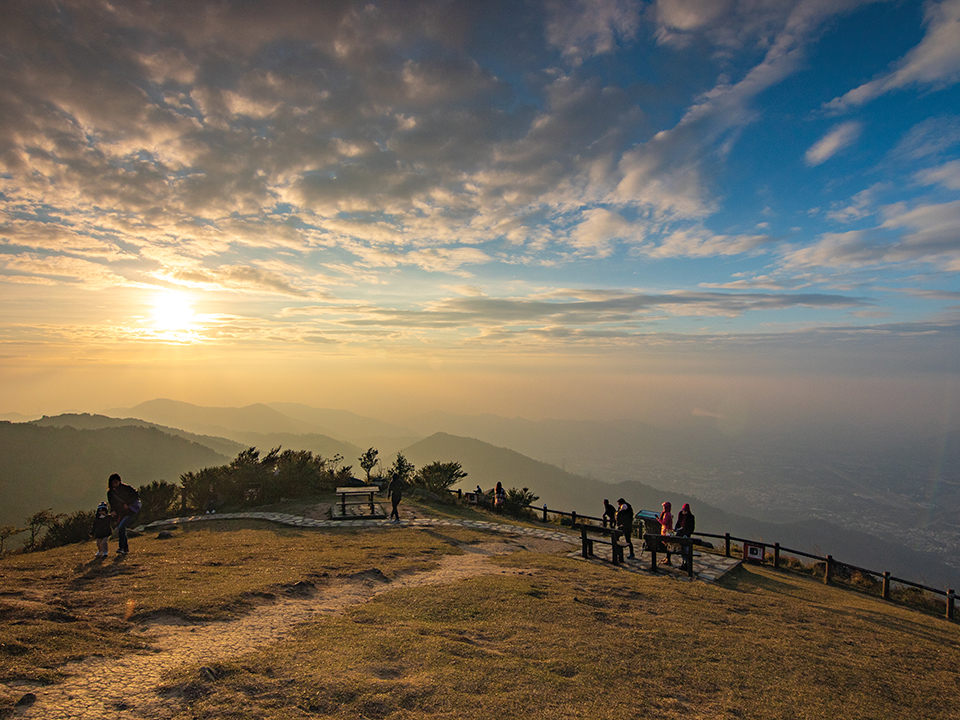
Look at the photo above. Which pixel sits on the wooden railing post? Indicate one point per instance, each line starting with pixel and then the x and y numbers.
pixel 573 519
pixel 828 570
pixel 459 494
pixel 726 537
pixel 183 500
pixel 886 585
pixel 776 555
pixel 950 604
pixel 544 512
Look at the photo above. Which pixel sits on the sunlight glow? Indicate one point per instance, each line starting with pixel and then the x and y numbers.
pixel 172 311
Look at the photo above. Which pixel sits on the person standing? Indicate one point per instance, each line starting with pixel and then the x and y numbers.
pixel 395 493
pixel 125 504
pixel 499 497
pixel 102 529
pixel 686 523
pixel 665 518
pixel 609 514
pixel 625 522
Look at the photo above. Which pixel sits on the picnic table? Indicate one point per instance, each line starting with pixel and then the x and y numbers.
pixel 354 494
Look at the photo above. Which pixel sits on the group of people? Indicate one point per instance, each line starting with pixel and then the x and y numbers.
pixel 124 504
pixel 621 517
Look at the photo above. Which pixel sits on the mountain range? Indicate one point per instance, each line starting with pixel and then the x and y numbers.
pixel 812 490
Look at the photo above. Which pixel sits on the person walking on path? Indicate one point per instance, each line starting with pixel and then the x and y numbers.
pixel 609 514
pixel 395 493
pixel 125 504
pixel 625 522
pixel 686 523
pixel 499 497
pixel 102 529
pixel 665 519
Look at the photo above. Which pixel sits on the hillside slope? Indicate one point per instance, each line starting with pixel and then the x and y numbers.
pixel 86 421
pixel 486 464
pixel 67 469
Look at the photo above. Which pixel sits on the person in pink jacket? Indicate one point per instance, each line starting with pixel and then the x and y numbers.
pixel 666 528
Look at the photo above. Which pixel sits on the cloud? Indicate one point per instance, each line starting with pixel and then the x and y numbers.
pixel 860 206
pixel 926 233
pixel 839 138
pixel 584 28
pixel 934 62
pixel 947 175
pixel 699 242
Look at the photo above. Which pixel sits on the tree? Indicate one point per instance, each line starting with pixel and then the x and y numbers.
pixel 7 532
pixel 402 467
pixel 368 460
pixel 39 520
pixel 438 477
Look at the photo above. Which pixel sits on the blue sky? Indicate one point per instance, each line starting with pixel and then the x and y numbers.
pixel 469 203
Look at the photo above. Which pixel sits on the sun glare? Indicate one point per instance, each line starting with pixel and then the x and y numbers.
pixel 172 311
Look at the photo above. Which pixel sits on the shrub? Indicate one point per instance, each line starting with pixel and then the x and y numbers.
pixel 439 477
pixel 517 500
pixel 160 500
pixel 68 529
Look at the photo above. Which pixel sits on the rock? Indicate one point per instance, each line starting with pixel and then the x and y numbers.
pixel 164 535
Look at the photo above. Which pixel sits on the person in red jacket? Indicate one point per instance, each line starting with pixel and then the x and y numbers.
pixel 665 519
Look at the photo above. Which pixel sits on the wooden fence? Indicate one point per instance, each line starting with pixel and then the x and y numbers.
pixel 757 551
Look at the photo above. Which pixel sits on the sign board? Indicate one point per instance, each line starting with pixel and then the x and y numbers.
pixel 752 552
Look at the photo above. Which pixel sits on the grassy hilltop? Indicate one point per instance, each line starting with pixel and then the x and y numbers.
pixel 562 639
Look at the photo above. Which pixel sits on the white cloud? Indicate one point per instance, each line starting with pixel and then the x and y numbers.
pixel 839 138
pixel 934 62
pixel 947 175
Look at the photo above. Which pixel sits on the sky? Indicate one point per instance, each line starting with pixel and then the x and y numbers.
pixel 745 210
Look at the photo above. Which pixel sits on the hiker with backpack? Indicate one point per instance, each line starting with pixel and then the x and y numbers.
pixel 125 504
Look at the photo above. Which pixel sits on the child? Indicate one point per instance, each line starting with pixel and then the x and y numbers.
pixel 102 529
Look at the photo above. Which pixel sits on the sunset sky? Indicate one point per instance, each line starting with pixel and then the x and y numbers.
pixel 546 208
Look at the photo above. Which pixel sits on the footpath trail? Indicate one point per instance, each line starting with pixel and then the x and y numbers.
pixel 126 688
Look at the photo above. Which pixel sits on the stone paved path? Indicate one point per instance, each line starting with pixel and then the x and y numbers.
pixel 123 689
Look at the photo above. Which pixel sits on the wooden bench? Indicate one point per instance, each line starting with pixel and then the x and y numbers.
pixel 611 537
pixel 354 493
pixel 655 541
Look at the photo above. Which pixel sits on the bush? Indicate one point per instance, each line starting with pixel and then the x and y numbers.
pixel 68 529
pixel 160 500
pixel 439 477
pixel 517 500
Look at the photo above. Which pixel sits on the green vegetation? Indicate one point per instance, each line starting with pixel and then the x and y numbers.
pixel 439 477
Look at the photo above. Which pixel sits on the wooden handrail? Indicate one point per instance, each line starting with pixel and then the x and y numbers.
pixel 830 564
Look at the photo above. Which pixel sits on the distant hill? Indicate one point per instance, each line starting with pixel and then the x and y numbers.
pixel 360 430
pixel 561 490
pixel 223 422
pixel 67 469
pixel 238 424
pixel 85 421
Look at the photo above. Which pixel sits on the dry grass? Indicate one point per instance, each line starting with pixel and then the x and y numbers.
pixel 62 604
pixel 575 640
pixel 566 639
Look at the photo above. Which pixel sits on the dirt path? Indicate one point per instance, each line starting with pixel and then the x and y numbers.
pixel 123 689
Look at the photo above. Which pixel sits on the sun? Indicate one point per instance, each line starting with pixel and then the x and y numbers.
pixel 172 311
